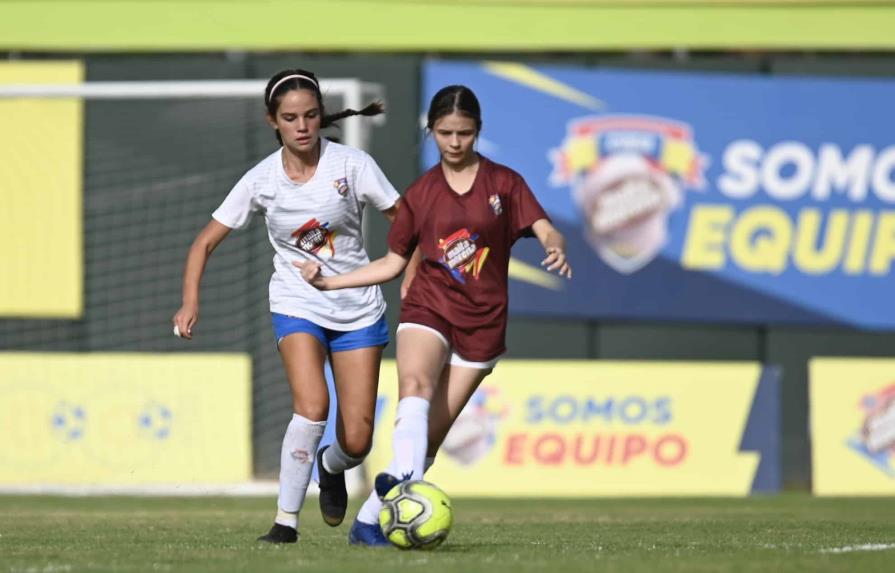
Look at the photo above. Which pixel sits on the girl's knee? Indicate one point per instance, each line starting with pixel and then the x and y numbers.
pixel 358 441
pixel 417 385
pixel 311 411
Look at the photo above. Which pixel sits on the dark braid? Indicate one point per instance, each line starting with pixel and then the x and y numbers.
pixel 374 108
pixel 308 81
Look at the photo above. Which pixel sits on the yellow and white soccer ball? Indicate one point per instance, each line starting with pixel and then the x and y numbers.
pixel 416 515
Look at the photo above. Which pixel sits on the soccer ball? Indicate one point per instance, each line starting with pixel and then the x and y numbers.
pixel 416 515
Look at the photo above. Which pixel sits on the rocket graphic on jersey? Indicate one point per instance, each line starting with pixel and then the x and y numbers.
pixel 461 256
pixel 313 236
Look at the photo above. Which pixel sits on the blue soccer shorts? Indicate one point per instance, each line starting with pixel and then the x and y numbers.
pixel 332 340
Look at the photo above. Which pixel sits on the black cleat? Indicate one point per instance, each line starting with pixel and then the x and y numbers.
pixel 385 481
pixel 333 495
pixel 280 534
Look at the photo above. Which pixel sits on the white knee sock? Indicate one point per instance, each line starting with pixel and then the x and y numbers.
pixel 411 438
pixel 369 511
pixel 336 461
pixel 296 462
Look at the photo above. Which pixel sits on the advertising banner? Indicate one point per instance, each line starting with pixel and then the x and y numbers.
pixel 703 197
pixel 594 428
pixel 853 426
pixel 41 229
pixel 124 419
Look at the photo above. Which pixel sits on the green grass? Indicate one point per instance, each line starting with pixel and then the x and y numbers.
pixel 786 533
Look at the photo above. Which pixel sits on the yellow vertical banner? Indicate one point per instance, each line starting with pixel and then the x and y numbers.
pixel 601 428
pixel 41 244
pixel 852 426
pixel 124 419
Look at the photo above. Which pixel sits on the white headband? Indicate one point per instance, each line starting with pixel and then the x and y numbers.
pixel 292 77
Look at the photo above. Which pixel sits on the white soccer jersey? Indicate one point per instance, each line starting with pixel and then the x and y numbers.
pixel 318 220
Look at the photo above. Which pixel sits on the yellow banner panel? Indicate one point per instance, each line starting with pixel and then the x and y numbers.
pixel 416 25
pixel 576 428
pixel 40 189
pixel 124 419
pixel 853 426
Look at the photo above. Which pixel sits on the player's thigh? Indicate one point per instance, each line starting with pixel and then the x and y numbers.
pixel 457 385
pixel 421 355
pixel 303 358
pixel 356 377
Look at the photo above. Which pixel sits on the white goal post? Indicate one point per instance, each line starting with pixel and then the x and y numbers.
pixel 354 92
pixel 356 131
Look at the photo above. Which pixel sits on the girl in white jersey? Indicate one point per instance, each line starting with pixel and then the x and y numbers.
pixel 311 193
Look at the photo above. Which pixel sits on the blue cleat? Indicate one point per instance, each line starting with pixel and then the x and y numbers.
pixel 368 534
pixel 385 481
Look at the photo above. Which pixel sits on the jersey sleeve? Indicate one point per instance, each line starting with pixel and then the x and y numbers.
pixel 373 187
pixel 238 207
pixel 526 209
pixel 404 236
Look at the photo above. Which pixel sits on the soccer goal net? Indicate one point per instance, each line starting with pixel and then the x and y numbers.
pixel 156 159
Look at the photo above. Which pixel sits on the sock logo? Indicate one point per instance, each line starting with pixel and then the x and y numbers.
pixel 301 456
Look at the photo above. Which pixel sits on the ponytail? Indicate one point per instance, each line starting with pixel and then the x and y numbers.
pixel 374 108
pixel 294 79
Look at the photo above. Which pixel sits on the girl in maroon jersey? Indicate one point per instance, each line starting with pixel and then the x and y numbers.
pixel 457 223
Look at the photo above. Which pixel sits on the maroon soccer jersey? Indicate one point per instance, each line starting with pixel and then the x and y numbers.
pixel 465 242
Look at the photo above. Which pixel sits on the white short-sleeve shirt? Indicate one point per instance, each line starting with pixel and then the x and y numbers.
pixel 317 220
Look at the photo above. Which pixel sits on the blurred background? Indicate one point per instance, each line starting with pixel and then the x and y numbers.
pixel 723 171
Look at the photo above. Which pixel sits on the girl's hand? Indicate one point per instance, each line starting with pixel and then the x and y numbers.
pixel 556 261
pixel 310 271
pixel 186 317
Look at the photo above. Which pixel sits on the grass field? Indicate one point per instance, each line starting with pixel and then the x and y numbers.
pixel 786 533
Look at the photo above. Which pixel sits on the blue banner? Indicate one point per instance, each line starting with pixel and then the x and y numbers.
pixel 704 197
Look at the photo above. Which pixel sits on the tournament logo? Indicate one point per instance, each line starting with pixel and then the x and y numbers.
pixel 875 440
pixel 461 256
pixel 627 175
pixel 494 201
pixel 313 236
pixel 474 433
pixel 341 185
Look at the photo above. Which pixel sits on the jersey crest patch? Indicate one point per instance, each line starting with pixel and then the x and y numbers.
pixel 341 186
pixel 314 236
pixel 460 255
pixel 494 201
